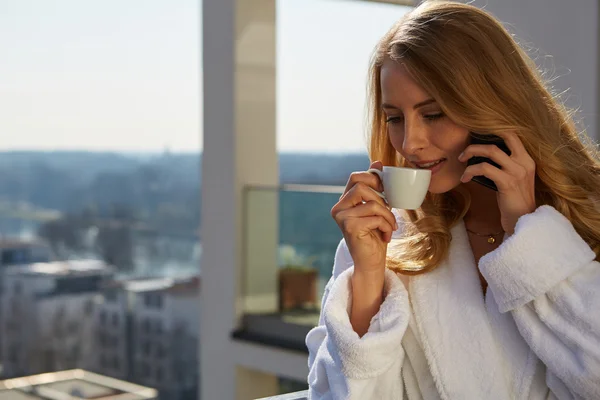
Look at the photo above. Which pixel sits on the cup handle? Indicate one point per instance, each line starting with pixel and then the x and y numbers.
pixel 379 173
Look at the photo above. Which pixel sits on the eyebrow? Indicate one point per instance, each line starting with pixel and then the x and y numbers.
pixel 416 106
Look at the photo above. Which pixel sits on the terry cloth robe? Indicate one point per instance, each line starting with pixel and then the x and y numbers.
pixel 534 335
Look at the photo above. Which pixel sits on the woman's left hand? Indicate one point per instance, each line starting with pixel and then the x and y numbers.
pixel 515 181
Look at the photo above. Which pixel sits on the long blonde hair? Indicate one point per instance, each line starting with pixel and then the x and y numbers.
pixel 483 81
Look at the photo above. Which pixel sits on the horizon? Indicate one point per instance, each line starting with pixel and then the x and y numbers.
pixel 183 152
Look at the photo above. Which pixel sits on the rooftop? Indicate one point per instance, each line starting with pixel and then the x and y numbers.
pixel 62 268
pixel 11 243
pixel 189 286
pixel 171 285
pixel 148 285
pixel 77 383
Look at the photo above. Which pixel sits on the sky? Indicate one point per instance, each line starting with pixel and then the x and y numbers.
pixel 114 75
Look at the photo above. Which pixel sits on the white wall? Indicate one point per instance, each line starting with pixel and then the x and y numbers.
pixel 118 307
pixel 74 308
pixel 239 150
pixel 140 313
pixel 567 31
pixel 183 308
pixel 25 318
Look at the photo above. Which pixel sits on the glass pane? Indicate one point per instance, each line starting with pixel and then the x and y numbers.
pixel 290 242
pixel 100 189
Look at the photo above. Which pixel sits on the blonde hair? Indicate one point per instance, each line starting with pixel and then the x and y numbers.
pixel 483 81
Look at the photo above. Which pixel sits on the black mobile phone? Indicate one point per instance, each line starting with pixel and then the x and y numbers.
pixel 478 138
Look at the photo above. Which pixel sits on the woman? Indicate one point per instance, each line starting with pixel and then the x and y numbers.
pixel 479 294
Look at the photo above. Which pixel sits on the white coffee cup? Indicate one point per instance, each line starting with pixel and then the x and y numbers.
pixel 404 188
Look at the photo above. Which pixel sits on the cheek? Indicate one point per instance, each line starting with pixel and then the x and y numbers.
pixel 396 140
pixel 451 141
pixel 457 168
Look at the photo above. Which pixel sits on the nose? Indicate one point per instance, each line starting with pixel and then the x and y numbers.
pixel 415 139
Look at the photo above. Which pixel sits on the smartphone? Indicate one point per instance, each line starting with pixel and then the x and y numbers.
pixel 478 138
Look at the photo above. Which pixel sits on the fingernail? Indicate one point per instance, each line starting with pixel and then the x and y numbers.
pixel 461 156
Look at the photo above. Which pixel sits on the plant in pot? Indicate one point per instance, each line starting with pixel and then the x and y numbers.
pixel 297 281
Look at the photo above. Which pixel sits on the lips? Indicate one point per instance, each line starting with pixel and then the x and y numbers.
pixel 429 164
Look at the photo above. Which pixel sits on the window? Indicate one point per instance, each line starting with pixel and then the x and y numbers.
pixel 129 196
pixel 103 339
pixel 145 370
pixel 160 351
pixel 14 256
pixel 153 300
pixel 146 348
pixel 158 328
pixel 146 325
pixel 111 296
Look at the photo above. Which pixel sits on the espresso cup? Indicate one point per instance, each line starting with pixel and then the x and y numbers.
pixel 403 188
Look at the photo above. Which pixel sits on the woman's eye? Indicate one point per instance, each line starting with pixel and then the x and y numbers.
pixel 433 117
pixel 393 120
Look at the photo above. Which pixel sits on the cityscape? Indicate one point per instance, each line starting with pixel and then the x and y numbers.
pixel 109 283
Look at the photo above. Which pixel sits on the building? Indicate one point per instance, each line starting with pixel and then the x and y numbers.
pixel 47 315
pixel 112 332
pixel 73 314
pixel 69 384
pixel 147 332
pixel 239 151
pixel 165 323
pixel 19 251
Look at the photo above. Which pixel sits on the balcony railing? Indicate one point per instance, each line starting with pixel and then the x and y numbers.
pixel 289 245
pixel 303 395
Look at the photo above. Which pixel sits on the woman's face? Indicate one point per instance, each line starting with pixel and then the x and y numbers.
pixel 418 129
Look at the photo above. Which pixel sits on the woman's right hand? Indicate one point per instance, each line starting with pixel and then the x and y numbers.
pixel 365 220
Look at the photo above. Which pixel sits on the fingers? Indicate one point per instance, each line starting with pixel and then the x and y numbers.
pixel 363 218
pixel 370 208
pixel 502 179
pixel 358 194
pixel 517 167
pixel 376 164
pixel 486 150
pixel 519 154
pixel 366 225
pixel 506 162
pixel 514 143
pixel 367 178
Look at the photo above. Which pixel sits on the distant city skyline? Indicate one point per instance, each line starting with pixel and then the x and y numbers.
pixel 124 76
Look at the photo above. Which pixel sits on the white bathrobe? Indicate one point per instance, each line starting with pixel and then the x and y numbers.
pixel 535 335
